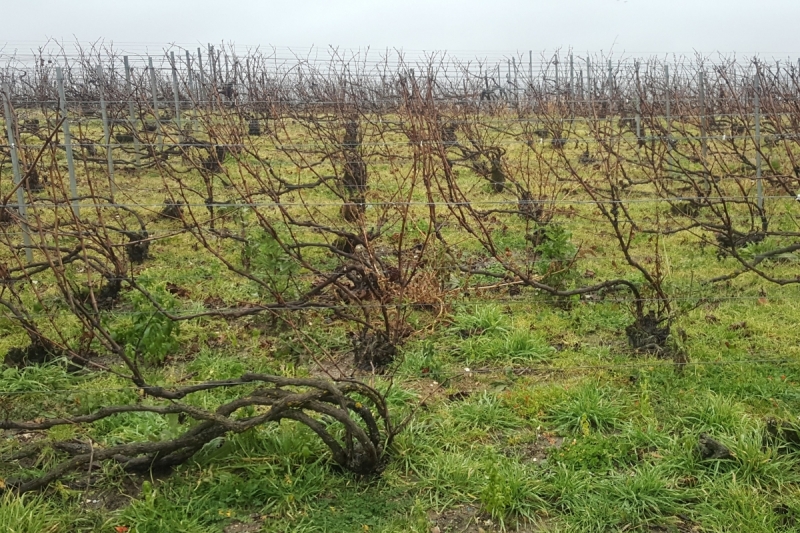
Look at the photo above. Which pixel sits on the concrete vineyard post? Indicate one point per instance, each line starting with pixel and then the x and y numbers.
pixel 530 70
pixel 154 91
pixel 703 120
pixel 194 88
pixel 176 95
pixel 757 119
pixel 73 186
pixel 589 88
pixel 12 143
pixel 668 118
pixel 555 62
pixel 106 133
pixel 203 81
pixel 571 85
pixel 213 65
pixel 514 65
pixel 131 113
pixel 638 103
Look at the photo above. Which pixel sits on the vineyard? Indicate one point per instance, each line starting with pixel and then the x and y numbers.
pixel 265 292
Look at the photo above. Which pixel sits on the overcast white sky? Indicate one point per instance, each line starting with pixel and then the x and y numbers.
pixel 770 28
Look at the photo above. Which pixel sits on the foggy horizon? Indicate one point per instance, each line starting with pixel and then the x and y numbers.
pixel 631 28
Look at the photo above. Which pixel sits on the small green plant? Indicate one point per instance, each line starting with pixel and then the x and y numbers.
pixel 425 361
pixel 264 257
pixel 555 252
pixel 41 378
pixel 497 494
pixel 619 501
pixel 485 411
pixel 761 250
pixel 511 491
pixel 642 496
pixel 128 427
pixel 715 413
pixel 150 333
pixel 523 346
pixel 516 346
pixel 26 514
pixel 586 409
pixel 158 510
pixel 597 452
pixel 486 319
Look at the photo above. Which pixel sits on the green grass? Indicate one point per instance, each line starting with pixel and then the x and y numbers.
pixel 614 448
pixel 529 413
pixel 30 514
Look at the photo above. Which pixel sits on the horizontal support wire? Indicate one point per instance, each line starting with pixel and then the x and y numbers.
pixel 367 203
pixel 521 301
pixel 517 370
